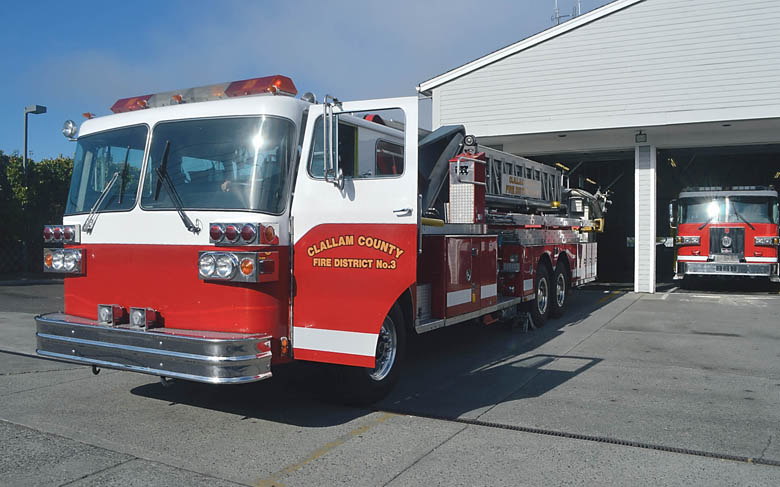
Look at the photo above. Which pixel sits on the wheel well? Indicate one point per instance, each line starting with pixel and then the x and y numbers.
pixel 563 260
pixel 407 308
pixel 545 260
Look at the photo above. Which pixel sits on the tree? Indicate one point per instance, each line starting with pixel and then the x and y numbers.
pixel 25 208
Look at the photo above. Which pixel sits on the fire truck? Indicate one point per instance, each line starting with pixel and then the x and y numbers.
pixel 214 233
pixel 729 231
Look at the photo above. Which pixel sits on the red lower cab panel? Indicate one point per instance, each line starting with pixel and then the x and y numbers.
pixel 165 278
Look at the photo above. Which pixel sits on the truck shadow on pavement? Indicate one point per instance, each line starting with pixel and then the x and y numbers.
pixel 461 371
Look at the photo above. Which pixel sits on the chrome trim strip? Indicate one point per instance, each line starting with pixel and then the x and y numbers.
pixel 430 325
pixel 728 269
pixel 150 371
pixel 132 348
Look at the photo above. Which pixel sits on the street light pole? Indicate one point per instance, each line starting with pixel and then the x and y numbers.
pixel 35 110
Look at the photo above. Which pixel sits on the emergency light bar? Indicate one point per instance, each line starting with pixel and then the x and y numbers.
pixel 253 86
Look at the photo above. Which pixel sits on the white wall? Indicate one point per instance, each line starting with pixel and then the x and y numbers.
pixel 653 63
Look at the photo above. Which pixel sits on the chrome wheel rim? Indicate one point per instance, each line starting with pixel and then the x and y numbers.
pixel 560 290
pixel 386 348
pixel 541 296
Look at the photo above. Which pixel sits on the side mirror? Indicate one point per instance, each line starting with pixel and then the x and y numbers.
pixel 330 133
pixel 672 214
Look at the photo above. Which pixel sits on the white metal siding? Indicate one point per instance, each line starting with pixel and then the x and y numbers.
pixel 652 63
pixel 644 219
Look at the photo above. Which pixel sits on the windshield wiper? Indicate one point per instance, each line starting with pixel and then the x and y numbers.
pixel 89 224
pixel 124 176
pixel 706 223
pixel 162 176
pixel 744 220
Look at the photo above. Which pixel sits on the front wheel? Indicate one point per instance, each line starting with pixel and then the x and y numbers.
pixel 368 385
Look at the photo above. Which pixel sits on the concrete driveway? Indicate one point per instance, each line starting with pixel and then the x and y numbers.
pixel 666 389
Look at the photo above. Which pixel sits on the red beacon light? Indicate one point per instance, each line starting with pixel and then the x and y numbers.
pixel 130 104
pixel 255 86
pixel 276 84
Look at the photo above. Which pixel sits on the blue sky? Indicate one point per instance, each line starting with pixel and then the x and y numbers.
pixel 83 56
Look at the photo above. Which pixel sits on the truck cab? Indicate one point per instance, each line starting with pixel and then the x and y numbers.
pixel 726 232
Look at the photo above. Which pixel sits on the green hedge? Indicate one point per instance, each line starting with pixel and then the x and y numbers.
pixel 24 210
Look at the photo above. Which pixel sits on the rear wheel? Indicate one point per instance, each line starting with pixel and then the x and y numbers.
pixel 368 385
pixel 540 307
pixel 560 292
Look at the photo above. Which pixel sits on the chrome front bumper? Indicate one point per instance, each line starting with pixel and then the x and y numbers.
pixel 727 269
pixel 201 356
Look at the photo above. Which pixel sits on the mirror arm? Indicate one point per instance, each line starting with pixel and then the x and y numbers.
pixel 328 102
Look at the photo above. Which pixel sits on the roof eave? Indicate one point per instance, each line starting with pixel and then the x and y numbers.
pixel 426 87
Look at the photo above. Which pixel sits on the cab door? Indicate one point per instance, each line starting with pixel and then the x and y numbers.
pixel 354 228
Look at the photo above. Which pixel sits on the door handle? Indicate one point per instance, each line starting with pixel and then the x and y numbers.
pixel 403 212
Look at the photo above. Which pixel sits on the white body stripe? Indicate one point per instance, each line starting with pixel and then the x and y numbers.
pixel 488 291
pixel 692 258
pixel 455 298
pixel 769 260
pixel 336 341
pixel 528 285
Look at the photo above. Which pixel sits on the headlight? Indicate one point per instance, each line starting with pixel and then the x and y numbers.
pixel 687 240
pixel 63 260
pixel 206 265
pixel 768 241
pixel 226 265
pixel 71 261
pixel 229 266
pixel 69 129
pixel 111 314
pixel 58 260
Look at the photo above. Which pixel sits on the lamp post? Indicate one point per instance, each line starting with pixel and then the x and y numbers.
pixel 36 110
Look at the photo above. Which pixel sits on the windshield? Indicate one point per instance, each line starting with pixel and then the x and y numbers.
pixel 98 157
pixel 755 209
pixel 225 163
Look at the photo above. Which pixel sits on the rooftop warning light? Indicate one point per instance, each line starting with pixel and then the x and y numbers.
pixel 276 84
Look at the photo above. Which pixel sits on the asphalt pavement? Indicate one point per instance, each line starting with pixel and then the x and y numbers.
pixel 676 388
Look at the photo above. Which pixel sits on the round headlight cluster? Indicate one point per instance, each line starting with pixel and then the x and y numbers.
pixel 725 241
pixel 226 265
pixel 71 261
pixel 58 260
pixel 217 265
pixel 207 265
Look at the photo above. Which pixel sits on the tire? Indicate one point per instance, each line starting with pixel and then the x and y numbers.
pixel 559 292
pixel 540 306
pixel 366 386
pixel 688 283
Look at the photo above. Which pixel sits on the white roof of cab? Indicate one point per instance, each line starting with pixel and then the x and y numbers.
pixel 426 86
pixel 278 105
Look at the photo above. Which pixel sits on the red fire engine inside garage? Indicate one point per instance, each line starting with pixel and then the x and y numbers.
pixel 644 97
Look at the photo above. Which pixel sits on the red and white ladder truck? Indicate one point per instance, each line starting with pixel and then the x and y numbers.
pixel 726 231
pixel 213 233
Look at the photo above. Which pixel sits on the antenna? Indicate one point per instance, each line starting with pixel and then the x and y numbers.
pixel 557 17
pixel 577 10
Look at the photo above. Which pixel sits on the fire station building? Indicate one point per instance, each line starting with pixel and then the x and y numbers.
pixel 644 97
